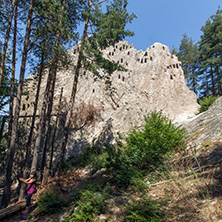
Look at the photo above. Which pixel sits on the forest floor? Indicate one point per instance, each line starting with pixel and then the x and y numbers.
pixel 191 191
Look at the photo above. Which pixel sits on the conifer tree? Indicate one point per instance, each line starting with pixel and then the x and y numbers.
pixel 11 145
pixel 2 64
pixel 211 56
pixel 106 28
pixel 60 20
pixel 188 55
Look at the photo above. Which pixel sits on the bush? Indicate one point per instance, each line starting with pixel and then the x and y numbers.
pixel 99 162
pixel 206 102
pixel 144 148
pixel 90 202
pixel 157 137
pixel 51 202
pixel 143 210
pixel 138 184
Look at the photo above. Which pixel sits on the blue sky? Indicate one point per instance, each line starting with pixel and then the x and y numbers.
pixel 163 21
pixel 166 21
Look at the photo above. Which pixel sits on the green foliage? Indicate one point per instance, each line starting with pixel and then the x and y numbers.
pixel 210 56
pixel 201 61
pixel 90 202
pixel 5 86
pixel 206 102
pixel 188 54
pixel 144 148
pixel 143 210
pixel 99 162
pixel 138 184
pixel 51 202
pixel 88 156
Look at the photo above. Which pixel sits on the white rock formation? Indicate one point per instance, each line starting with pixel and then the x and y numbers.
pixel 154 80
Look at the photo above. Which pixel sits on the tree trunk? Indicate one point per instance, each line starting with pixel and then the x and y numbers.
pixel 207 86
pixel 48 120
pixel 188 76
pixel 28 147
pixel 45 104
pixel 12 89
pixel 212 81
pixel 73 95
pixel 2 65
pixel 219 87
pixel 11 147
pixel 54 133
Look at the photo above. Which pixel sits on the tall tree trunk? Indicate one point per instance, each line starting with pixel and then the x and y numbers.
pixel 212 81
pixel 12 89
pixel 11 147
pixel 48 120
pixel 28 147
pixel 219 80
pixel 207 86
pixel 45 104
pixel 47 100
pixel 6 41
pixel 73 94
pixel 54 133
pixel 188 76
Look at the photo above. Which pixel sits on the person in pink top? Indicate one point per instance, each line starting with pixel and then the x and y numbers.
pixel 31 181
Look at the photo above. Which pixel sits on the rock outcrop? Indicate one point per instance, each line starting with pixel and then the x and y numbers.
pixel 154 80
pixel 206 127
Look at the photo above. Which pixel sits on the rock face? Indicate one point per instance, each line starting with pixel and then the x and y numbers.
pixel 207 126
pixel 154 80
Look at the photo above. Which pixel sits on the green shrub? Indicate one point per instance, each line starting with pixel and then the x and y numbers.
pixel 138 184
pixel 84 159
pixel 157 136
pixel 99 162
pixel 143 210
pixel 144 148
pixel 51 202
pixel 90 202
pixel 206 102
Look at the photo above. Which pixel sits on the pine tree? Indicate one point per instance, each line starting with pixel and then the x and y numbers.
pixel 211 56
pixel 188 55
pixel 11 146
pixel 60 22
pixel 3 57
pixel 106 28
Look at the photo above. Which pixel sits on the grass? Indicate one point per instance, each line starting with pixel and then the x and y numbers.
pixel 195 194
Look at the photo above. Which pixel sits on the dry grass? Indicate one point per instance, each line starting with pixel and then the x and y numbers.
pixel 193 187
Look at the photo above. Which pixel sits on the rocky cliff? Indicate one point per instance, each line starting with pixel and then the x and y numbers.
pixel 206 127
pixel 154 80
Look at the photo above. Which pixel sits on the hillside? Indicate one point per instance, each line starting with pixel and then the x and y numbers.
pixel 189 189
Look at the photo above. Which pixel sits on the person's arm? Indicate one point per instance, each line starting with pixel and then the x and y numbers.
pixel 27 181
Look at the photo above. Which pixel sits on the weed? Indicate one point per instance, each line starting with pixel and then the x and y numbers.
pixel 51 202
pixel 90 202
pixel 143 210
pixel 139 185
pixel 99 162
